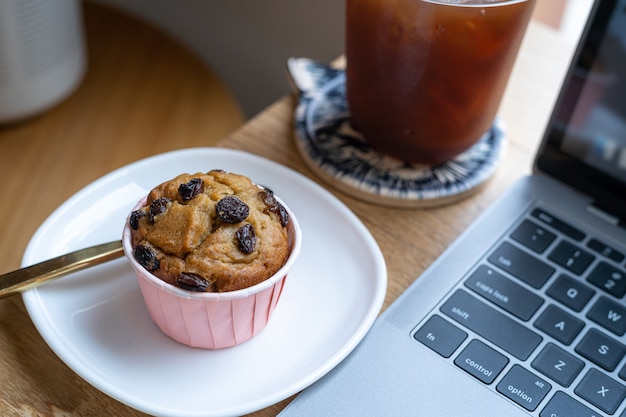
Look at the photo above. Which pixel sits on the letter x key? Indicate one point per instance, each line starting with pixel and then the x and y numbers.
pixel 601 390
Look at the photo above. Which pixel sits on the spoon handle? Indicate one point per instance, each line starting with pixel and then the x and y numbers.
pixel 34 275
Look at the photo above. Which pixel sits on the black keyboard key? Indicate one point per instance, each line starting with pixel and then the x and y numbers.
pixel 523 387
pixel 491 324
pixel 562 405
pixel 609 278
pixel 558 224
pixel 601 349
pixel 601 390
pixel 441 336
pixel 503 292
pixel 533 236
pixel 570 292
pixel 522 265
pixel 609 314
pixel 622 374
pixel 558 365
pixel 481 361
pixel 605 250
pixel 560 325
pixel 571 257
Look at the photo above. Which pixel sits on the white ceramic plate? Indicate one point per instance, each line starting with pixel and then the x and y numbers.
pixel 97 323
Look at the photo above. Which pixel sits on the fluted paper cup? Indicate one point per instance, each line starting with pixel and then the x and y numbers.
pixel 212 320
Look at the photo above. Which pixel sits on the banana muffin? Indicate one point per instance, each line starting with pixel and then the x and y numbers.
pixel 211 232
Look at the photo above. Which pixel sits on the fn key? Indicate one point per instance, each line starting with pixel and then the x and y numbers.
pixel 441 336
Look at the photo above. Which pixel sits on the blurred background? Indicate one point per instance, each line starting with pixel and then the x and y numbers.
pixel 247 42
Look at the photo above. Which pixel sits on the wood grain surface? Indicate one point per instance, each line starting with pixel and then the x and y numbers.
pixel 143 94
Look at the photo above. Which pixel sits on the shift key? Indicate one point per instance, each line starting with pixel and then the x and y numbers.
pixel 491 324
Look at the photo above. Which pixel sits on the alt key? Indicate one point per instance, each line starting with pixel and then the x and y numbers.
pixel 523 387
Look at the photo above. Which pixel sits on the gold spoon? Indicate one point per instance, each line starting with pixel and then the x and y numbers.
pixel 31 276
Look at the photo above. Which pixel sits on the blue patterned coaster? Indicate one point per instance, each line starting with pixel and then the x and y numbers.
pixel 339 155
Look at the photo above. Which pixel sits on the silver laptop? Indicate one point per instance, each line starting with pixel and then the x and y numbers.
pixel 525 314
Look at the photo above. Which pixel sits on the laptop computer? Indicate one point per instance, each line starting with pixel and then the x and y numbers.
pixel 525 314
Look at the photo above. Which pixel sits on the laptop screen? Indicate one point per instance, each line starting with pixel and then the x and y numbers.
pixel 585 143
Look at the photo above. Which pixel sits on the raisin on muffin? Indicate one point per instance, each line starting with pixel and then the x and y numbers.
pixel 211 232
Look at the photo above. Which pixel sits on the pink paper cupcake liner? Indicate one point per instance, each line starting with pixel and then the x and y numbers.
pixel 212 320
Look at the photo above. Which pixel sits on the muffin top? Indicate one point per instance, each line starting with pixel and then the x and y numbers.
pixel 210 232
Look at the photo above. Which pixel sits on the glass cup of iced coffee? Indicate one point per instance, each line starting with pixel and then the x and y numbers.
pixel 424 78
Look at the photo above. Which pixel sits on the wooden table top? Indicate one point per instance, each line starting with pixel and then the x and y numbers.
pixel 46 160
pixel 143 94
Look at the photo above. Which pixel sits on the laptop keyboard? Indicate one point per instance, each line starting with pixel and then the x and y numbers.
pixel 541 319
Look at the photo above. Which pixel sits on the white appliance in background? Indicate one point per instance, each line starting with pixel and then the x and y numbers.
pixel 42 55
